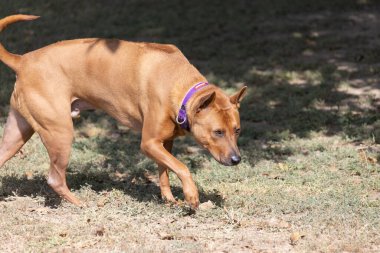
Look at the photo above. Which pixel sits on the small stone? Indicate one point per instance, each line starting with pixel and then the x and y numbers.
pixel 100 231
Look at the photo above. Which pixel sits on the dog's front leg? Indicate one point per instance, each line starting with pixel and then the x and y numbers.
pixel 154 148
pixel 166 193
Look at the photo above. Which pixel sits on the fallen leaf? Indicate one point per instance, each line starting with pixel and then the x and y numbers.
pixel 363 156
pixel 120 176
pixel 151 178
pixel 295 237
pixel 333 167
pixel 274 223
pixel 29 175
pixel 63 234
pixel 190 238
pixel 91 131
pixel 192 149
pixel 372 160
pixel 206 205
pixel 283 166
pixel 279 223
pixel 165 236
pixel 102 202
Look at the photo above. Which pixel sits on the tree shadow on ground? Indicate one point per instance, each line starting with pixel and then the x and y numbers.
pixel 137 184
pixel 241 41
pixel 295 56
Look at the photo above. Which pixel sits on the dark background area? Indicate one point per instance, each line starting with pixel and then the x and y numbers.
pixel 263 44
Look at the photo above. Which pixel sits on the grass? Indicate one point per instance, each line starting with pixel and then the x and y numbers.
pixel 310 133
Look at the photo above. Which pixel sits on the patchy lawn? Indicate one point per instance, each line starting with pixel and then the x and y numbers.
pixel 310 176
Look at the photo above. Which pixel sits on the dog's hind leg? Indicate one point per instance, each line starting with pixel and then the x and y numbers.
pixel 17 132
pixel 57 139
pixel 50 117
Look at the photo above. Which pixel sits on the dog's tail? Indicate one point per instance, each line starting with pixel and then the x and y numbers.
pixel 12 60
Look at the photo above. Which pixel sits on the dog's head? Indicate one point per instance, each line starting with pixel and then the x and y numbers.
pixel 215 123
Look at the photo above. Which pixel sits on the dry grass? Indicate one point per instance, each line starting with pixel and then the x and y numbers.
pixel 310 176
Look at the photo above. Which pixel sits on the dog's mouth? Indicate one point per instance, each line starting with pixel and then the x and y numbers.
pixel 226 164
pixel 223 160
pixel 226 161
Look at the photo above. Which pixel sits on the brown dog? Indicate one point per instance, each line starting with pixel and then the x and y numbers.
pixel 145 86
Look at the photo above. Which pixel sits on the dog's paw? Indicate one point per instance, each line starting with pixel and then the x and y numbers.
pixel 193 202
pixel 168 197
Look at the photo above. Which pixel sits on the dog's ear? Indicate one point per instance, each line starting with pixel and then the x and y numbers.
pixel 238 96
pixel 204 101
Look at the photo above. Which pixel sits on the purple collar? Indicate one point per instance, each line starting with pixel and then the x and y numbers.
pixel 182 116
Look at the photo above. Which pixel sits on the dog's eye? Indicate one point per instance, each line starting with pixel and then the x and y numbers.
pixel 219 133
pixel 237 131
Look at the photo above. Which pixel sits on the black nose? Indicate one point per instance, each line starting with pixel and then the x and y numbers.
pixel 235 159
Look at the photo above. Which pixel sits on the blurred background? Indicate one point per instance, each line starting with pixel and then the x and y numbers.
pixel 310 66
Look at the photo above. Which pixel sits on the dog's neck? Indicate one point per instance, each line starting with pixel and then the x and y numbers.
pixel 181 89
pixel 191 103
